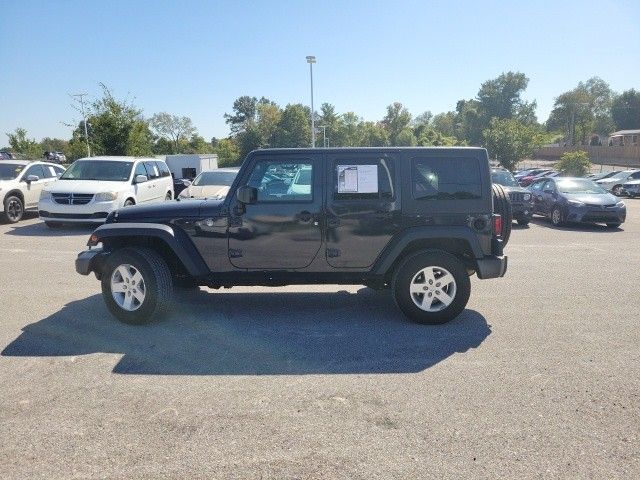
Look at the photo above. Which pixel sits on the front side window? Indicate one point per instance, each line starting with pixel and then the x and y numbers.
pixel 140 170
pixel 104 170
pixel 363 179
pixel 36 170
pixel 282 181
pixel 456 178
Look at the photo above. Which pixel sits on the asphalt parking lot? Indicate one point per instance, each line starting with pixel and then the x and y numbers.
pixel 540 377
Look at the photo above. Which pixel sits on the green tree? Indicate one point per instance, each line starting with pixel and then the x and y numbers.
pixel 406 138
pixel 469 122
pixel 430 137
pixel 396 120
pixel 293 128
pixel 445 123
pixel 501 98
pixel 178 130
pixel 625 110
pixel 574 164
pixel 373 135
pixel 268 118
pixel 197 144
pixel 48 144
pixel 140 141
pixel 228 153
pixel 19 143
pixel 582 111
pixel 244 111
pixel 510 140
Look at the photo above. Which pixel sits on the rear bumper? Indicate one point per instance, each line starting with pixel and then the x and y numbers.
pixel 491 267
pixel 90 261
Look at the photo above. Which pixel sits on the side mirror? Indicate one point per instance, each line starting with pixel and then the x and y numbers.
pixel 140 179
pixel 247 195
pixel 186 183
pixel 32 178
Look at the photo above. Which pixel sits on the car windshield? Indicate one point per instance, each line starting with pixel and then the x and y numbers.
pixel 577 186
pixel 9 171
pixel 620 176
pixel 104 170
pixel 214 178
pixel 504 178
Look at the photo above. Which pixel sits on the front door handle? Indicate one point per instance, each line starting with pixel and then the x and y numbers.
pixel 305 216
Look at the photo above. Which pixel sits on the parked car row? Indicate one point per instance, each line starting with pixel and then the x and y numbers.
pixel 91 188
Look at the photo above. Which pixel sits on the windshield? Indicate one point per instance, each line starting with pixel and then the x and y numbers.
pixel 504 178
pixel 214 178
pixel 580 186
pixel 9 171
pixel 105 170
pixel 620 175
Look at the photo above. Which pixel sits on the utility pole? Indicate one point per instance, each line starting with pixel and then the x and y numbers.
pixel 311 60
pixel 84 120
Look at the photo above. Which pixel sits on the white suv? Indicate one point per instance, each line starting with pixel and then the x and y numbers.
pixel 21 183
pixel 91 188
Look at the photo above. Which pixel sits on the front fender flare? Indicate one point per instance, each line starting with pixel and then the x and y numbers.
pixel 176 239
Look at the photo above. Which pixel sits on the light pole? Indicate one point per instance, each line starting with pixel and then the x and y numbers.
pixel 84 119
pixel 311 60
pixel 325 143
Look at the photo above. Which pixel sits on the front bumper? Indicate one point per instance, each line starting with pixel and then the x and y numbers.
pixel 491 267
pixel 92 212
pixel 90 261
pixel 522 211
pixel 590 214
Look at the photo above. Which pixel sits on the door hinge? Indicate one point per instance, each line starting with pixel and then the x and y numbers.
pixel 235 253
pixel 333 252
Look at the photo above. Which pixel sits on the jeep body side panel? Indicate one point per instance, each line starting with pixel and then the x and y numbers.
pixel 174 238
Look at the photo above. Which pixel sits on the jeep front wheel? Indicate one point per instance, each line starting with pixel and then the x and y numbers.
pixel 431 287
pixel 136 285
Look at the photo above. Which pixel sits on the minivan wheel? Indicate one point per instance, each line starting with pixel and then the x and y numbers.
pixel 431 287
pixel 136 285
pixel 13 209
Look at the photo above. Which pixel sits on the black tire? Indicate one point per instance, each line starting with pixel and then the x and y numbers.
pixel 53 224
pixel 13 209
pixel 613 225
pixel 617 190
pixel 168 197
pixel 557 217
pixel 411 266
pixel 502 206
pixel 157 281
pixel 129 202
pixel 523 222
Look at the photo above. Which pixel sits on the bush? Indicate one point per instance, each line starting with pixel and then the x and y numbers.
pixel 574 164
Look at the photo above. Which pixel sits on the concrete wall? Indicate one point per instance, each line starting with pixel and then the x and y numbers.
pixel 628 156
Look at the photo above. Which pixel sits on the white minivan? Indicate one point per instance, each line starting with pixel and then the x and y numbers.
pixel 93 187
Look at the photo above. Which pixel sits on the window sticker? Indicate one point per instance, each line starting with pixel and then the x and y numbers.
pixel 357 179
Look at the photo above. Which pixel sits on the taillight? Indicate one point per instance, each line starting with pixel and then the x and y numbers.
pixel 497 224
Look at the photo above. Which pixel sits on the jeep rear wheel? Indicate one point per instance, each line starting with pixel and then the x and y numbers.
pixel 502 206
pixel 431 287
pixel 136 285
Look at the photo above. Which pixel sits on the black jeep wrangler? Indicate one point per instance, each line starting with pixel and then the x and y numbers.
pixel 419 221
pixel 520 197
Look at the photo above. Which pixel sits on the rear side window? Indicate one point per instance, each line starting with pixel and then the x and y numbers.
pixel 363 179
pixel 152 170
pixel 164 170
pixel 49 172
pixel 449 178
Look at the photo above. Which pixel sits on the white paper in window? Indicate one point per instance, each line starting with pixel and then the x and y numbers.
pixel 357 179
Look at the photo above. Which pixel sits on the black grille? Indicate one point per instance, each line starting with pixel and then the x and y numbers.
pixel 516 196
pixel 72 198
pixel 76 216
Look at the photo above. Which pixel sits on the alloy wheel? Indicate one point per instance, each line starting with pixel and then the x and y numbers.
pixel 14 210
pixel 128 287
pixel 433 289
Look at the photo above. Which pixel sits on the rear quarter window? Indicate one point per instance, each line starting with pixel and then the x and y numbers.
pixel 446 178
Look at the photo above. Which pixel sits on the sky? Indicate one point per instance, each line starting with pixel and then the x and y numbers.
pixel 194 57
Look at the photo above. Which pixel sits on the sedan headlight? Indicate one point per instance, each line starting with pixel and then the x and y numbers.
pixel 620 204
pixel 527 197
pixel 575 203
pixel 106 196
pixel 45 195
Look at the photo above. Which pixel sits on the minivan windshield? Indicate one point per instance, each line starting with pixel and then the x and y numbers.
pixel 9 171
pixel 104 170
pixel 504 178
pixel 214 178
